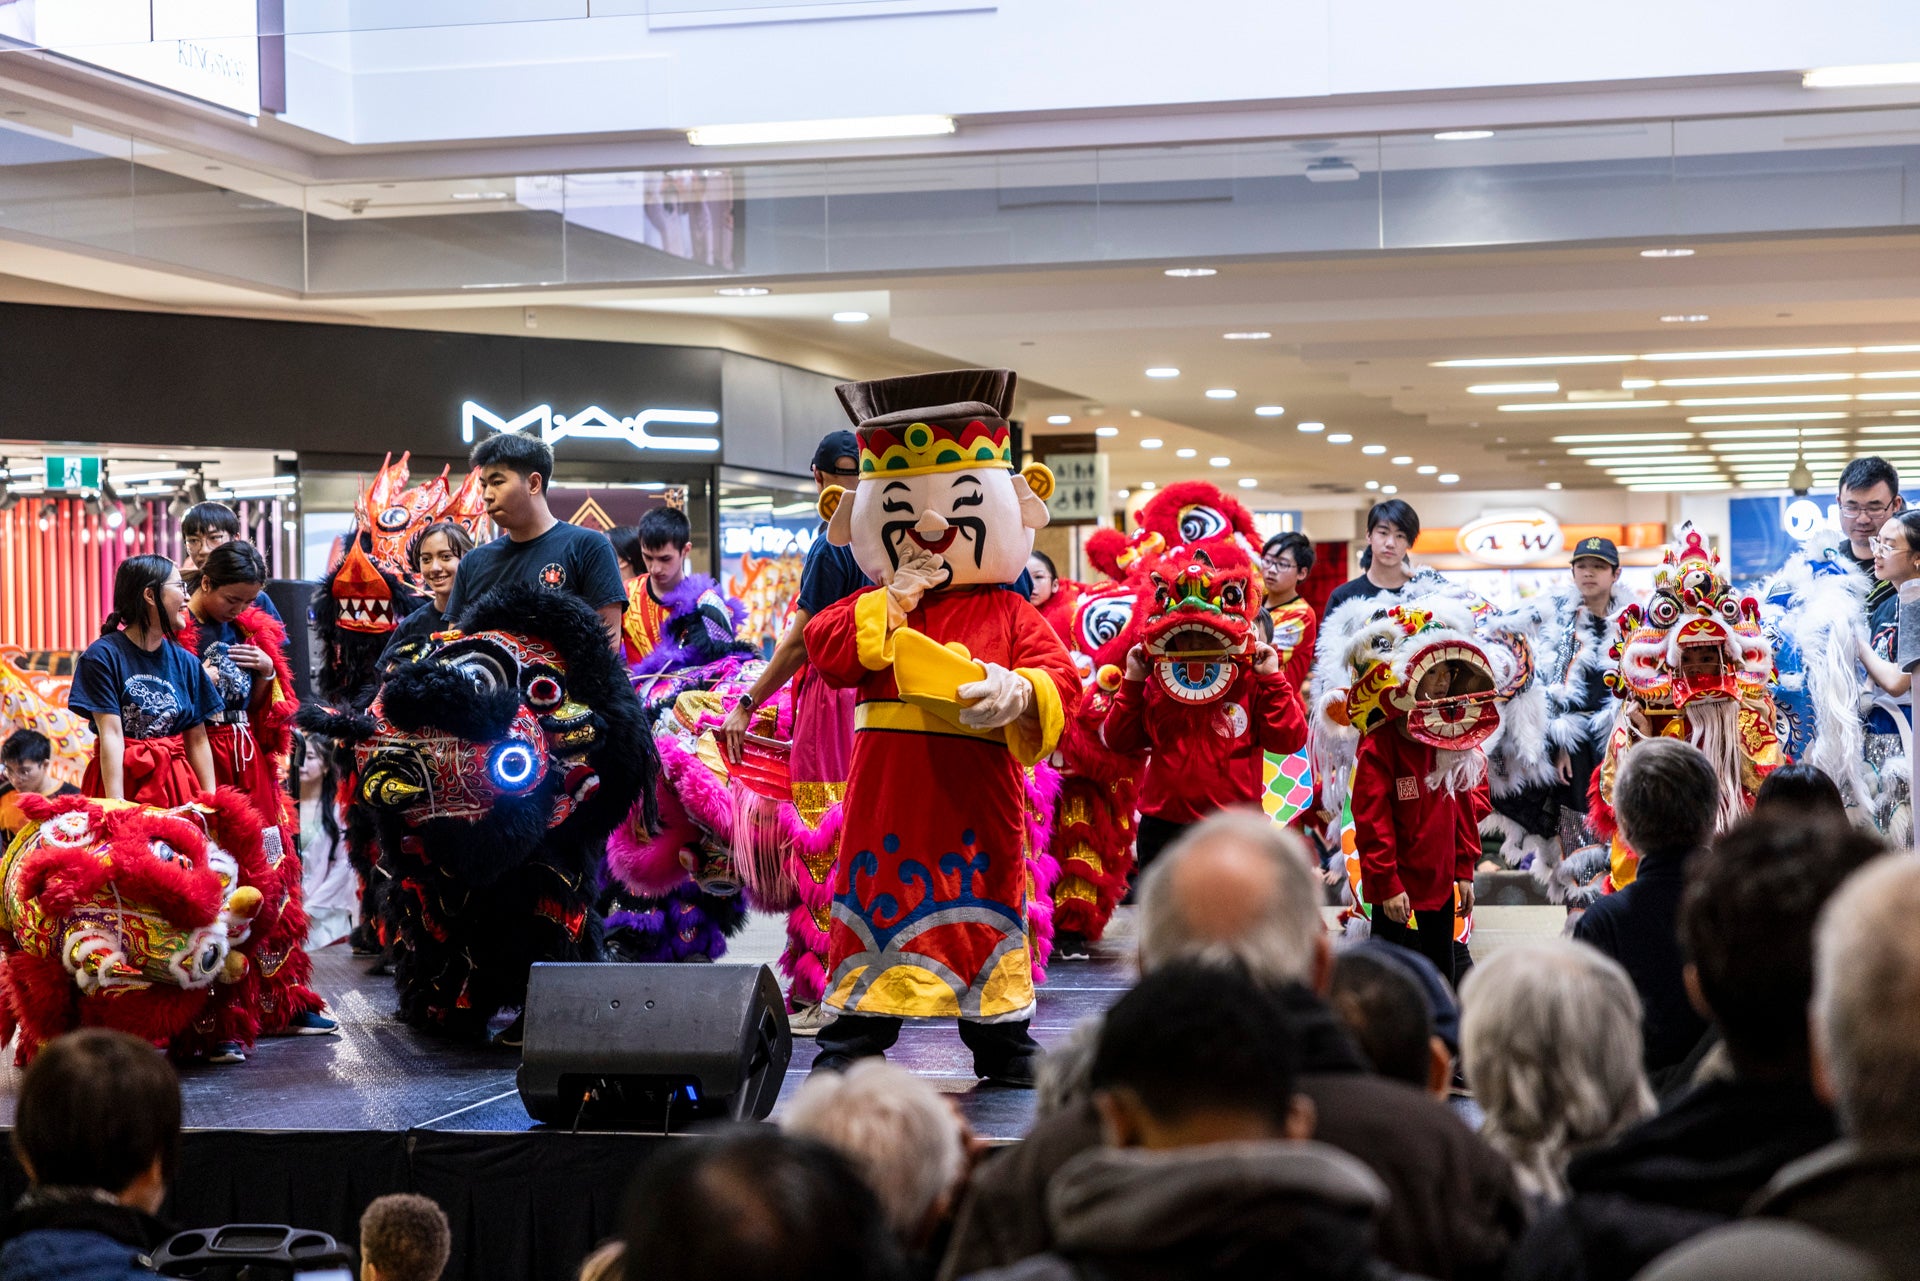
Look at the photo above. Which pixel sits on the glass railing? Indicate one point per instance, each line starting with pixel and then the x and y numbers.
pixel 65 183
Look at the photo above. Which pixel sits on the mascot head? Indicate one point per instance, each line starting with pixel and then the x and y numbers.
pixel 485 739
pixel 1199 620
pixel 937 472
pixel 1419 664
pixel 1188 514
pixel 1695 640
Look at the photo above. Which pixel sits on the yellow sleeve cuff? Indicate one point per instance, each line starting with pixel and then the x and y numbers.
pixel 873 642
pixel 1032 739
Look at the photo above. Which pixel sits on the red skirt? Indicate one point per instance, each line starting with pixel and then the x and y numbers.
pixel 154 771
pixel 240 761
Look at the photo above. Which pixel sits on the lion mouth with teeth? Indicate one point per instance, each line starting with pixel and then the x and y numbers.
pixel 1200 630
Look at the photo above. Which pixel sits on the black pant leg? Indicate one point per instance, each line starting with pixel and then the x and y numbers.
pixel 858 1036
pixel 1433 939
pixel 994 1045
pixel 1155 834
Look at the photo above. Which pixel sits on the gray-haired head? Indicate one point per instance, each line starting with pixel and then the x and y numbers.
pixel 898 1132
pixel 1666 798
pixel 1866 1001
pixel 1550 1043
pixel 1235 889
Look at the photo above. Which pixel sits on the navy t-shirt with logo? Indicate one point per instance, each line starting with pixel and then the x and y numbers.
pixel 567 558
pixel 155 694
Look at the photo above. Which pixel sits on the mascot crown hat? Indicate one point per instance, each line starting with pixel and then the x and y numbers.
pixel 924 423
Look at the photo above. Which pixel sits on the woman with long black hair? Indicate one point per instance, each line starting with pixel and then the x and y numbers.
pixel 150 700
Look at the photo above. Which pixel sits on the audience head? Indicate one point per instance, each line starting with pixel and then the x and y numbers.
pixel 1747 922
pixel 1866 1003
pixel 756 1205
pixel 1663 798
pixel 1195 1054
pixel 1390 1016
pixel 607 1263
pixel 1235 889
pixel 1550 1043
pixel 205 527
pixel 1798 789
pixel 24 757
pixel 100 1111
pixel 900 1133
pixel 404 1237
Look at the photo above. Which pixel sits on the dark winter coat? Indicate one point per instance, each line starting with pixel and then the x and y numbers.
pixel 1865 1197
pixel 65 1234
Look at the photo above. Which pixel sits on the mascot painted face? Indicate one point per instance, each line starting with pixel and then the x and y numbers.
pixel 1695 640
pixel 940 480
pixel 1200 622
pixel 495 762
pixel 1419 665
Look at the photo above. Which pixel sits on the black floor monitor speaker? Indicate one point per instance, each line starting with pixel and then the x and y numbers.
pixel 652 1046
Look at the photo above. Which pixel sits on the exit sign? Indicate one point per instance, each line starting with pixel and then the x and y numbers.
pixel 73 471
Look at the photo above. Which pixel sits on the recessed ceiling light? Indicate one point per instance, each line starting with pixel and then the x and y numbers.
pixel 1221 393
pixel 1373 484
pixel 851 317
pixel 790 131
pixel 1059 419
pixel 1151 442
pixel 1685 318
pixel 1401 460
pixel 744 291
pixel 1146 484
pixel 1666 253
pixel 1311 427
pixel 1124 494
pixel 1186 453
pixel 1389 489
pixel 1163 371
pixel 1106 431
pixel 1463 135
pixel 1552 484
pixel 1246 335
pixel 1248 482
pixel 1427 469
pixel 1373 449
pixel 1339 438
pixel 1452 478
pixel 1269 411
pixel 1511 389
pixel 1190 273
pixel 1220 460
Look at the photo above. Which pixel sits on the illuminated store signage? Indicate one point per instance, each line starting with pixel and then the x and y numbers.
pixel 595 423
pixel 1803 518
pixel 1511 537
pixel 765 540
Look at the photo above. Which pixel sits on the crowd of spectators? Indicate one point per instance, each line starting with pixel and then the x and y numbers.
pixel 1716 1076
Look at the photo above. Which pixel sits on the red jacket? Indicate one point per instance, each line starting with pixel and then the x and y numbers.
pixel 1194 775
pixel 1410 836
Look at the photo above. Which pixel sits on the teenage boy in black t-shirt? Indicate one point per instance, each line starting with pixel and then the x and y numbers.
pixel 537 547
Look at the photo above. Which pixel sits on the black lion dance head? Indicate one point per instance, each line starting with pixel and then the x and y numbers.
pixel 495 760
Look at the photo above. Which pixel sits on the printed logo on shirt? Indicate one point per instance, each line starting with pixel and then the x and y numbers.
pixel 553 574
pixel 1407 789
pixel 1232 721
pixel 150 708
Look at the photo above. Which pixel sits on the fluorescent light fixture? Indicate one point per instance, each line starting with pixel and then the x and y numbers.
pixel 1310 427
pixel 851 317
pixel 1151 442
pixel 1246 335
pixel 1888 395
pixel 477 195
pixel 743 291
pixel 1106 431
pixel 1900 350
pixel 1516 362
pixel 1453 478
pixel 1764 418
pixel 1865 75
pixel 1691 486
pixel 1891 444
pixel 1220 460
pixel 1463 135
pixel 1636 384
pixel 1666 253
pixel 1753 433
pixel 1554 406
pixel 1622 436
pixel 1221 393
pixel 1190 273
pixel 1186 453
pixel 1761 353
pixel 1685 318
pixel 1059 420
pixel 857 129
pixel 1269 411
pixel 1427 469
pixel 1401 460
pixel 1512 389
pixel 1697 402
pixel 1389 489
pixel 1373 484
pixel 1373 449
pixel 1745 380
pixel 1339 438
pixel 1888 373
pixel 1878 429
pixel 1248 482
pixel 1691 469
pixel 1163 371
pixel 172 473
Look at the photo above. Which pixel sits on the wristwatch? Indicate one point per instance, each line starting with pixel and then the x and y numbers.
pixel 747 701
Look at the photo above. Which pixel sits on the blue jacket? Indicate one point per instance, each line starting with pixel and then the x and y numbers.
pixel 67 1236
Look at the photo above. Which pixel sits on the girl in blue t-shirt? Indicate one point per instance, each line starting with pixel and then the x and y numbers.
pixel 149 698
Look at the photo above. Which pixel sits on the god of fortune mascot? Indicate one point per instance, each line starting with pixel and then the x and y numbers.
pixel 125 916
pixel 495 762
pixel 962 686
pixel 1694 664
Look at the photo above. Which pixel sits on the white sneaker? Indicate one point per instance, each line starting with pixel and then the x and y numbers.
pixel 809 1021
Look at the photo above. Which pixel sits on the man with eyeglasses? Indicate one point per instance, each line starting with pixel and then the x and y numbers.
pixel 1869 494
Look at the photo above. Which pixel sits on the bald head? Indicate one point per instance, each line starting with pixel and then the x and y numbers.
pixel 1235 889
